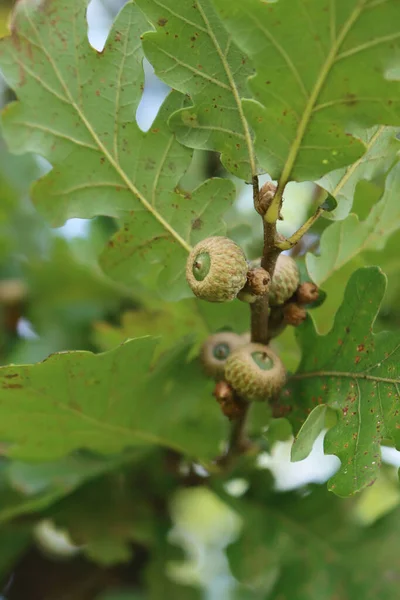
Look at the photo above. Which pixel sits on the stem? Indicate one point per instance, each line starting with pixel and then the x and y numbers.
pixel 296 237
pixel 259 309
pixel 238 440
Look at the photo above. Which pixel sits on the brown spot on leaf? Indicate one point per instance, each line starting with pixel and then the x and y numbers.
pixel 350 99
pixel 162 21
pixel 197 224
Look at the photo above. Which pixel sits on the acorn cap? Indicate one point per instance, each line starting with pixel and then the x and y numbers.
pixel 294 314
pixel 285 280
pixel 216 350
pixel 255 372
pixel 307 293
pixel 216 269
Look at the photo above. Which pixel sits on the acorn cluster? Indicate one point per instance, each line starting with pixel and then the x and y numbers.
pixel 253 371
pixel 217 271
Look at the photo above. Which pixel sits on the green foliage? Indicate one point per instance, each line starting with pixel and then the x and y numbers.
pixel 382 146
pixel 355 372
pixel 303 110
pixel 298 546
pixel 115 440
pixel 343 240
pixel 107 151
pixel 193 53
pixel 95 408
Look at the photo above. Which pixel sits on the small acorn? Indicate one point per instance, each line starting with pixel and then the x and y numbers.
pixel 257 284
pixel 307 293
pixel 285 280
pixel 293 314
pixel 216 350
pixel 216 269
pixel 255 372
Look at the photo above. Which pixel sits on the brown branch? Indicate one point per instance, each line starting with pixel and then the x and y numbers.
pixel 238 441
pixel 259 309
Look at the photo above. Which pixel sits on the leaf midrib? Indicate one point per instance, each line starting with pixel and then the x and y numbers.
pixel 234 90
pixel 319 84
pixel 344 374
pixel 147 205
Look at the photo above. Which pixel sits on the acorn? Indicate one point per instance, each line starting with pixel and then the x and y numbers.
pixel 285 280
pixel 257 284
pixel 294 314
pixel 216 269
pixel 255 372
pixel 216 350
pixel 307 293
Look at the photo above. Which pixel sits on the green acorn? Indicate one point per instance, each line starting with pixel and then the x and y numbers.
pixel 216 269
pixel 255 372
pixel 285 281
pixel 216 350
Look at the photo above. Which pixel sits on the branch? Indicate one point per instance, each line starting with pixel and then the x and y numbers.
pixel 238 443
pixel 259 309
pixel 296 237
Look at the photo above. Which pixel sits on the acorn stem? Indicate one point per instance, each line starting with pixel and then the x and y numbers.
pixel 259 308
pixel 238 443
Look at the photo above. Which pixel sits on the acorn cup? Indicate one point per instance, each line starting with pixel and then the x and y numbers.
pixel 285 280
pixel 216 350
pixel 255 372
pixel 216 269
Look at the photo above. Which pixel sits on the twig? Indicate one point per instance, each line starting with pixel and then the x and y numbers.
pixel 238 441
pixel 296 237
pixel 271 251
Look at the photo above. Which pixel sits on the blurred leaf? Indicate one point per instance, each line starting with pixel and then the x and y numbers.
pixel 104 517
pixel 14 539
pixel 4 17
pixel 343 240
pixel 309 546
pixel 46 60
pixel 382 147
pixel 355 372
pixel 158 582
pixel 21 231
pixel 122 595
pixel 171 321
pixel 192 52
pixel 66 289
pixel 30 488
pixel 303 108
pixel 379 499
pixel 107 402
